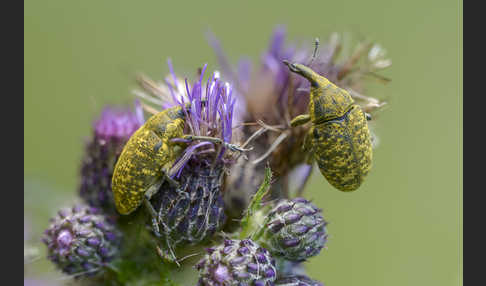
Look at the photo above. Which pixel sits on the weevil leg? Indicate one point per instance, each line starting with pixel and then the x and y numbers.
pixel 307 147
pixel 300 120
pixel 232 147
pixel 167 257
pixel 153 214
pixel 148 194
pixel 171 181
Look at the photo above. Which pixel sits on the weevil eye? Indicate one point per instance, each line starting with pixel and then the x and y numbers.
pixel 292 67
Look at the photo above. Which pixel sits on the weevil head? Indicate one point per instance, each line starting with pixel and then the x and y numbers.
pixel 327 101
pixel 314 78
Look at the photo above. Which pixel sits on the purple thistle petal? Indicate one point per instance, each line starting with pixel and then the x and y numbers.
pixel 65 238
pixel 214 118
pixel 182 161
pixel 202 73
pixel 171 68
pixel 172 94
pixel 139 112
pixel 277 41
pixel 221 273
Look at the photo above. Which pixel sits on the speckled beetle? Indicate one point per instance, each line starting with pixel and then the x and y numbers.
pixel 147 157
pixel 339 139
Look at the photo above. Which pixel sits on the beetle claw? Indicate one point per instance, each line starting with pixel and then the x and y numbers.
pixel 235 148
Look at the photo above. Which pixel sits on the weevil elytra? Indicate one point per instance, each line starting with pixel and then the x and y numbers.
pixel 339 139
pixel 147 157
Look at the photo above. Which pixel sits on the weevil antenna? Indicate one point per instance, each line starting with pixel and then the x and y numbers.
pixel 314 54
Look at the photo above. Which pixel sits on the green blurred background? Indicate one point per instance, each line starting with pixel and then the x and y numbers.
pixel 404 225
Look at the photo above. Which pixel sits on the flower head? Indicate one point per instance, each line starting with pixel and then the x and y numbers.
pixel 211 113
pixel 81 240
pixel 294 230
pixel 237 262
pixel 193 211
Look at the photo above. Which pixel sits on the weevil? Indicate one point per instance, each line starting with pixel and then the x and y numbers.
pixel 339 139
pixel 147 158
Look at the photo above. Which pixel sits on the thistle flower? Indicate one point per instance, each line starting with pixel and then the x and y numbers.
pixel 237 262
pixel 80 240
pixel 193 211
pixel 110 133
pixel 294 229
pixel 300 280
pixel 273 95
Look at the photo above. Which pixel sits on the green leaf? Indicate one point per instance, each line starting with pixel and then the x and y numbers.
pixel 248 221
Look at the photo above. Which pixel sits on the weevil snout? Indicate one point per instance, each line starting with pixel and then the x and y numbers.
pixel 314 78
pixel 291 66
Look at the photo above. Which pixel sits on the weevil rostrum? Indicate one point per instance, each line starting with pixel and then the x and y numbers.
pixel 339 138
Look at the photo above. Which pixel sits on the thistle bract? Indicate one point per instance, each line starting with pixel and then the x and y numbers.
pixel 294 229
pixel 111 131
pixel 81 240
pixel 237 262
pixel 194 211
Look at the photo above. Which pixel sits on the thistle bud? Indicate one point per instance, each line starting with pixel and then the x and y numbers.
pixel 237 262
pixel 294 230
pixel 193 211
pixel 81 240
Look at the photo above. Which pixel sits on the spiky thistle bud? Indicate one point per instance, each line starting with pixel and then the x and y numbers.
pixel 195 210
pixel 110 133
pixel 294 229
pixel 81 240
pixel 300 280
pixel 237 262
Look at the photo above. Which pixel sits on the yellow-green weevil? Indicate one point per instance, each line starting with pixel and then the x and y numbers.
pixel 147 157
pixel 339 138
